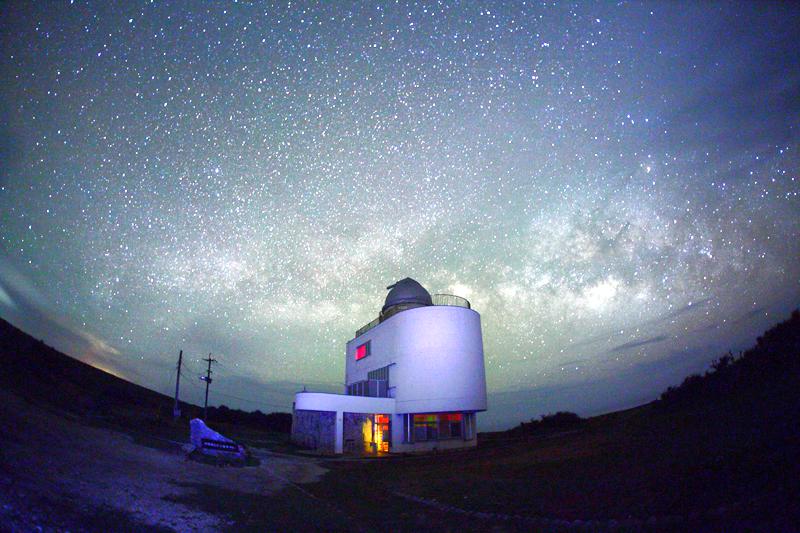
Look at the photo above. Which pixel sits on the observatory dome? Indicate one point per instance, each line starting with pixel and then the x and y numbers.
pixel 405 294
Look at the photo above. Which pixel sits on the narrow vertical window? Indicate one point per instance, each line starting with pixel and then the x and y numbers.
pixel 408 432
pixel 469 425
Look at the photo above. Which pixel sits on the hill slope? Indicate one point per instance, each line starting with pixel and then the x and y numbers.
pixel 43 375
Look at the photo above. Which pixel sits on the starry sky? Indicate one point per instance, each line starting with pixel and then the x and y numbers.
pixel 613 186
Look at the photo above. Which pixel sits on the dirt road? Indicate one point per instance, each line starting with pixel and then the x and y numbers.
pixel 56 473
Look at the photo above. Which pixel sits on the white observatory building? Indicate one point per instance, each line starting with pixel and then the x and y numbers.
pixel 414 380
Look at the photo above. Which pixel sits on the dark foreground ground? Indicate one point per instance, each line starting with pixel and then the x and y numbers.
pixel 719 454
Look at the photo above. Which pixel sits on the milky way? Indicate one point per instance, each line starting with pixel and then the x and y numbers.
pixel 613 187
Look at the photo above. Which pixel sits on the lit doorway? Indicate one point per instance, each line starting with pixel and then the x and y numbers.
pixel 382 433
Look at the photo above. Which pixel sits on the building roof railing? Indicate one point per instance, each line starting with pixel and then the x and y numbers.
pixel 438 299
pixel 366 327
pixel 450 299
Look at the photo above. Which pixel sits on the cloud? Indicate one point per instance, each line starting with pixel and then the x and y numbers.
pixel 31 311
pixel 611 333
pixel 691 306
pixel 751 314
pixel 636 344
pixel 5 299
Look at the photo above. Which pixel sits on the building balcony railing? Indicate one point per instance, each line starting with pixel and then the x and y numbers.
pixel 438 299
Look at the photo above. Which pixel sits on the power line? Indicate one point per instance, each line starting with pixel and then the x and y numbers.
pixel 256 402
pixel 168 386
pixel 192 370
pixel 232 396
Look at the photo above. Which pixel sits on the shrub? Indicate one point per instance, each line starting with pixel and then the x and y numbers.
pixel 559 421
pixel 766 372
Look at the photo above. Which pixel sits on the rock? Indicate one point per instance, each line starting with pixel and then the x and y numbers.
pixel 209 442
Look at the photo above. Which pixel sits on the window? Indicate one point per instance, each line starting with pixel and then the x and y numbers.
pixel 362 351
pixel 375 388
pixel 469 426
pixel 450 426
pixel 382 434
pixel 379 373
pixel 426 427
pixel 408 428
pixel 439 426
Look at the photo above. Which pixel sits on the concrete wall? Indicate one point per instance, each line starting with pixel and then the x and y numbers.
pixel 436 354
pixel 328 431
pixel 398 446
pixel 341 404
pixel 325 401
pixel 315 430
pixel 427 446
pixel 354 433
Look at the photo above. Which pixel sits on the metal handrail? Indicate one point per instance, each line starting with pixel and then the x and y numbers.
pixel 450 299
pixel 366 327
pixel 438 299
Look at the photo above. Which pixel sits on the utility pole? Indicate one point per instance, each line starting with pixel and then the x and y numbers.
pixel 207 379
pixel 176 410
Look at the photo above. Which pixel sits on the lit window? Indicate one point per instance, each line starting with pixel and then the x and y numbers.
pixel 382 433
pixel 450 426
pixel 362 351
pixel 426 427
pixel 440 426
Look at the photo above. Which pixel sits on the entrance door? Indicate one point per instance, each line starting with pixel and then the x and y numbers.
pixel 382 433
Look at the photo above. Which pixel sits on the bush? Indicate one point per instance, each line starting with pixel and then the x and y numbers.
pixel 279 422
pixel 560 421
pixel 767 372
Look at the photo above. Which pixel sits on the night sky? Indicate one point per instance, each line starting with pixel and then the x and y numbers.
pixel 614 187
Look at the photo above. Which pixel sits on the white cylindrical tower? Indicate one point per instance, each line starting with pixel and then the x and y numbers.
pixel 434 353
pixel 439 360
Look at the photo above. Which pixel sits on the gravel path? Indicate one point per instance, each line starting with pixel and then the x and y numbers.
pixel 57 473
